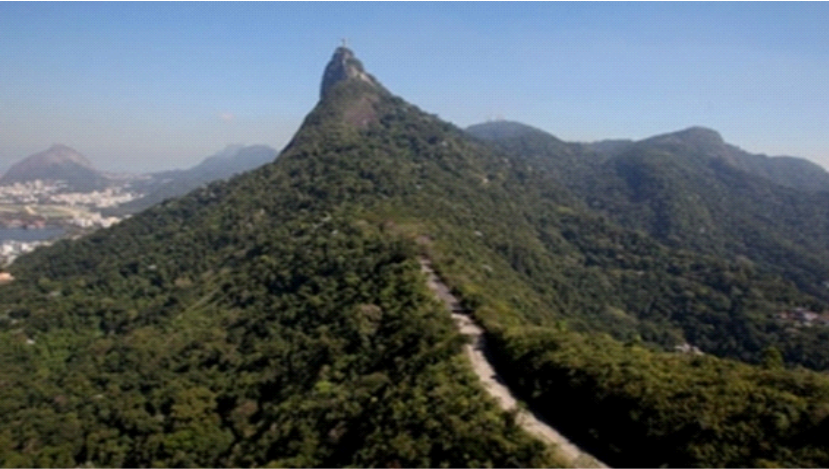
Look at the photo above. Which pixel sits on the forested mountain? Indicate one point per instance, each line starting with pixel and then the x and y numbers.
pixel 280 318
pixel 703 143
pixel 689 189
pixel 564 161
pixel 261 321
pixel 234 159
pixel 57 163
pixel 708 144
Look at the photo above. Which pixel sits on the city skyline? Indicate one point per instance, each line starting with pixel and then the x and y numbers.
pixel 143 87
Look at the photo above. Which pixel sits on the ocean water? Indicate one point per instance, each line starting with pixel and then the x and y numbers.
pixel 20 234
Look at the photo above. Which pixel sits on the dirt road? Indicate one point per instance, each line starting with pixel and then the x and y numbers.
pixel 476 351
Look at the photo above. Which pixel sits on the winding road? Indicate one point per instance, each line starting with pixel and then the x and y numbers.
pixel 492 381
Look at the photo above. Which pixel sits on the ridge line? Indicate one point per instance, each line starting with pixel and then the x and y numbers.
pixel 491 380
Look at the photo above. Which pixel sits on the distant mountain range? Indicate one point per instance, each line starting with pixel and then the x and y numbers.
pixel 234 159
pixel 62 163
pixel 58 163
pixel 698 142
pixel 690 189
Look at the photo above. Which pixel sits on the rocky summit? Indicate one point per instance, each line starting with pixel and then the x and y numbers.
pixel 342 66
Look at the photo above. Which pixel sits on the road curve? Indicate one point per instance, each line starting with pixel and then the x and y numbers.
pixel 492 381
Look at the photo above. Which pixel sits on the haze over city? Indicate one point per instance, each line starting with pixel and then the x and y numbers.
pixel 150 86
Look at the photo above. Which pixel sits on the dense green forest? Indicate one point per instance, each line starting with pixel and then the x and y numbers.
pixel 280 319
pixel 307 342
pixel 253 322
pixel 636 408
pixel 691 190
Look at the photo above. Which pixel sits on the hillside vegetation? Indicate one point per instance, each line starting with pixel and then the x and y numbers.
pixel 691 191
pixel 280 318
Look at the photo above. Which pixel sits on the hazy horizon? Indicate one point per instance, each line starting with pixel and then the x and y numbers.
pixel 150 86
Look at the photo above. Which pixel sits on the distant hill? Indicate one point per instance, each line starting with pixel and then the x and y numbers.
pixel 572 160
pixel 787 171
pixel 531 142
pixel 58 163
pixel 234 159
pixel 691 189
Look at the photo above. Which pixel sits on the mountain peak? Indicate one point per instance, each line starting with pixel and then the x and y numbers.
pixel 503 129
pixel 701 134
pixel 343 66
pixel 59 153
pixel 697 136
pixel 59 162
pixel 60 147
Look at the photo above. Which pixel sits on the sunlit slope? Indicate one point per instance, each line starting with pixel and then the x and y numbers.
pixel 255 322
pixel 690 189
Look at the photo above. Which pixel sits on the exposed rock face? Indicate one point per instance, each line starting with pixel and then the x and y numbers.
pixel 343 66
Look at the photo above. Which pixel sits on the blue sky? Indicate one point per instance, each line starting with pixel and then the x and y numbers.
pixel 147 86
